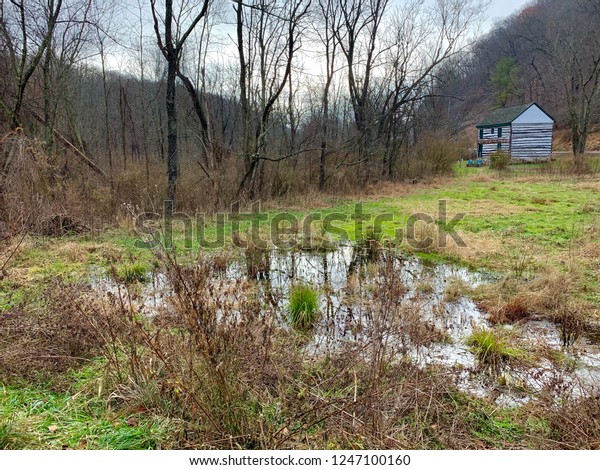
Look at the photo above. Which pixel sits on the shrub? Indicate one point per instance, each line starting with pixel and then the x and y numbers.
pixel 499 161
pixel 304 305
pixel 433 154
pixel 48 335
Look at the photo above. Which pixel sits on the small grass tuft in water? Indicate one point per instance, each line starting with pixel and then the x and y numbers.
pixel 304 305
pixel 492 348
pixel 456 289
pixel 425 287
pixel 131 273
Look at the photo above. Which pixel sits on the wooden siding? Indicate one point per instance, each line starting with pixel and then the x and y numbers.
pixel 489 140
pixel 534 115
pixel 531 141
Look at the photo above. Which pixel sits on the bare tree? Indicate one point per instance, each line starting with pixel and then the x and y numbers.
pixel 421 40
pixel 359 40
pixel 71 35
pixel 102 39
pixel 192 73
pixel 573 54
pixel 177 27
pixel 268 35
pixel 327 31
pixel 26 28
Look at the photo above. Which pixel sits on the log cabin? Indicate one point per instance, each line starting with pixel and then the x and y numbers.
pixel 524 132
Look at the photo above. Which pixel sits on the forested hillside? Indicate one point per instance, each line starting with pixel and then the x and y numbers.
pixel 263 100
pixel 549 52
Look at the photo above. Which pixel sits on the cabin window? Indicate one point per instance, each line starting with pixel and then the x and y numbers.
pixel 493 130
pixel 481 133
pixel 499 132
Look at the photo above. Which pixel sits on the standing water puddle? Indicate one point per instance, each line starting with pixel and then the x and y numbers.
pixel 442 321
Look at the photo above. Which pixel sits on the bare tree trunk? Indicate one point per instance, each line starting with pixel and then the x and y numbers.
pixel 48 114
pixel 106 109
pixel 327 30
pixel 172 156
pixel 202 114
pixel 323 154
pixel 579 145
pixel 122 115
pixel 274 64
pixel 171 47
pixel 143 93
pixel 361 19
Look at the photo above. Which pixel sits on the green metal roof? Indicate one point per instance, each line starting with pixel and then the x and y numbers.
pixel 504 116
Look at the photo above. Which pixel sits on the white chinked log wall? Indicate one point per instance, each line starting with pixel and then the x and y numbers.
pixel 490 140
pixel 532 135
pixel 528 137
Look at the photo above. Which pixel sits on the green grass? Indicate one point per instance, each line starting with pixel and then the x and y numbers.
pixel 132 272
pixel 304 306
pixel 34 417
pixel 492 348
pixel 497 430
pixel 538 223
pixel 548 217
pixel 502 209
pixel 10 296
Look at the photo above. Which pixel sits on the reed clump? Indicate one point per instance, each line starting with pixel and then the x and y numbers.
pixel 304 306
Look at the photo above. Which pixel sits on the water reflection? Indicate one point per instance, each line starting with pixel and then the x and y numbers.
pixel 420 324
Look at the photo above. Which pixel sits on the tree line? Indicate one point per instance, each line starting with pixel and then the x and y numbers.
pixel 548 52
pixel 333 85
pixel 253 97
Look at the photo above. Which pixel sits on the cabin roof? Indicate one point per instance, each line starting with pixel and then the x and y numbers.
pixel 505 116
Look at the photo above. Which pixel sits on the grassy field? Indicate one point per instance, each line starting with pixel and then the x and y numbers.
pixel 541 232
pixel 507 219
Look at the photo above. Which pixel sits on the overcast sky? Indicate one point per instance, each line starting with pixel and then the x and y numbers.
pixel 116 60
pixel 504 8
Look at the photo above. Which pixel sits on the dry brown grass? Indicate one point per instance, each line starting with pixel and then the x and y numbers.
pixel 515 310
pixel 217 361
pixel 47 196
pixel 478 178
pixel 541 201
pixel 39 342
pixel 72 252
pixel 484 207
pixel 477 246
pixel 239 381
pixel 550 292
pixel 592 186
pixel 456 289
pixel 573 425
pixel 551 295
